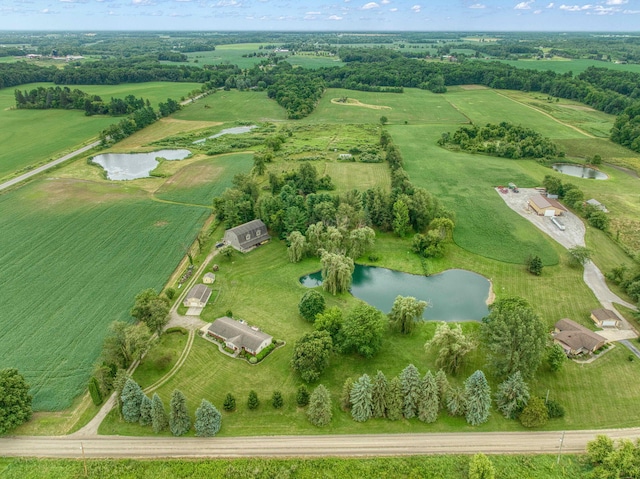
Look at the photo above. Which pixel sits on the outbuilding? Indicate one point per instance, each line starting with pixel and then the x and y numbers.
pixel 247 236
pixel 545 206
pixel 605 318
pixel 239 336
pixel 209 278
pixel 197 297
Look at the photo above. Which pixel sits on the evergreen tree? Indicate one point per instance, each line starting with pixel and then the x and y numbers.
pixel 395 400
pixel 131 399
pixel 456 402
pixel 345 397
pixel 361 401
pixel 443 387
pixel 253 402
pixel 159 418
pixel 410 379
pixel 478 395
pixel 229 403
pixel 429 399
pixel 302 396
pixel 379 395
pixel 512 396
pixel 94 391
pixel 208 420
pixel 179 420
pixel 319 411
pixel 276 400
pixel 481 467
pixel 146 406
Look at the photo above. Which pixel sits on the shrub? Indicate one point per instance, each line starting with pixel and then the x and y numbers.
pixel 253 402
pixel 535 413
pixel 170 292
pixel 163 361
pixel 554 409
pixel 302 396
pixel 94 391
pixel 229 403
pixel 276 400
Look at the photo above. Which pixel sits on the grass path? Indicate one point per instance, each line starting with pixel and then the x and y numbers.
pixel 547 115
pixel 176 367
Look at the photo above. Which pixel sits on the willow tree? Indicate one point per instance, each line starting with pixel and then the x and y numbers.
pixel 405 312
pixel 336 272
pixel 452 346
pixel 297 246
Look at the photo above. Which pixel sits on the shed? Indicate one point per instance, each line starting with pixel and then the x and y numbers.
pixel 597 205
pixel 546 206
pixel 345 156
pixel 209 278
pixel 605 318
pixel 197 296
pixel 247 236
pixel 575 339
pixel 239 336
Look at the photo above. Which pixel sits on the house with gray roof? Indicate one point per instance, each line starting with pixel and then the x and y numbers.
pixel 247 236
pixel 209 278
pixel 239 336
pixel 197 296
pixel 575 339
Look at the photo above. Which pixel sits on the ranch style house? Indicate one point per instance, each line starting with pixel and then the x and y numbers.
pixel 239 336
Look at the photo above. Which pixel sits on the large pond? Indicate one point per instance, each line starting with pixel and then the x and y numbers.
pixel 580 171
pixel 131 166
pixel 455 295
pixel 236 130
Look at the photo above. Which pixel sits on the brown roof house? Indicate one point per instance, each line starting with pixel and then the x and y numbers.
pixel 247 236
pixel 209 278
pixel 575 339
pixel 545 206
pixel 197 296
pixel 605 318
pixel 239 336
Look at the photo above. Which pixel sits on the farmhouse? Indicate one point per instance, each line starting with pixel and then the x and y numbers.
pixel 247 236
pixel 575 339
pixel 209 278
pixel 546 206
pixel 239 336
pixel 197 296
pixel 605 318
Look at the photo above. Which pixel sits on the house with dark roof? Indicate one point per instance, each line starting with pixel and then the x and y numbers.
pixel 197 296
pixel 605 318
pixel 545 206
pixel 575 339
pixel 239 336
pixel 247 236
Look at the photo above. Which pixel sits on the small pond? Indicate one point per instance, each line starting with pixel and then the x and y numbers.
pixel 131 166
pixel 455 295
pixel 236 130
pixel 580 171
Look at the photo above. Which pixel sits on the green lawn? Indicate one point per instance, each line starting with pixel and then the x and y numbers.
pixel 233 105
pixel 159 360
pixel 31 137
pixel 74 254
pixel 561 65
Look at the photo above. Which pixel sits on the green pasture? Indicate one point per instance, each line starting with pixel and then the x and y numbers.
pixel 233 105
pixel 563 65
pixel 74 255
pixel 465 183
pixel 426 467
pixel 31 137
pixel 491 106
pixel 200 182
pixel 411 106
pixel 161 358
pixel 609 151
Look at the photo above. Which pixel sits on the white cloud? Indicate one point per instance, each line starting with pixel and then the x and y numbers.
pixel 416 8
pixel 575 8
pixel 524 5
pixel 478 6
pixel 370 5
pixel 393 9
pixel 550 5
pixel 335 17
pixel 385 2
pixel 313 13
pixel 631 12
pixel 226 3
pixel 142 2
pixel 537 12
pixel 616 2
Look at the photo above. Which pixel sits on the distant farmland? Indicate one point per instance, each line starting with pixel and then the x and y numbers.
pixel 74 255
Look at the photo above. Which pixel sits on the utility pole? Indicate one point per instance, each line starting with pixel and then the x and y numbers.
pixel 560 451
pixel 84 459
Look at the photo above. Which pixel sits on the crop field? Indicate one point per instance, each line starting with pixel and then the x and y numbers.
pixel 562 65
pixel 360 176
pixel 200 182
pixel 411 106
pixel 233 105
pixel 30 137
pixel 74 255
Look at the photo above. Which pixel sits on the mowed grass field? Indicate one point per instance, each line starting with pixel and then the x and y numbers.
pixel 561 65
pixel 31 137
pixel 74 254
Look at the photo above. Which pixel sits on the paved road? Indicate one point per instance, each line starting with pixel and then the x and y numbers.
pixel 307 446
pixel 51 164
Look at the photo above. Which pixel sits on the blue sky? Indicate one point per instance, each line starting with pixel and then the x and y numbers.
pixel 336 15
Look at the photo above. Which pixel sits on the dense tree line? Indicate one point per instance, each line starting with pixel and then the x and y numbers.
pixel 504 140
pixel 297 91
pixel 19 73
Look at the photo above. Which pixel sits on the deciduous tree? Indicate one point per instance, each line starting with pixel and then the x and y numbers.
pixel 297 246
pixel 481 467
pixel 311 304
pixel 363 329
pixel 579 255
pixel 337 270
pixel 452 346
pixel 15 400
pixel 151 309
pixel 330 320
pixel 405 312
pixel 311 355
pixel 535 413
pixel 556 357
